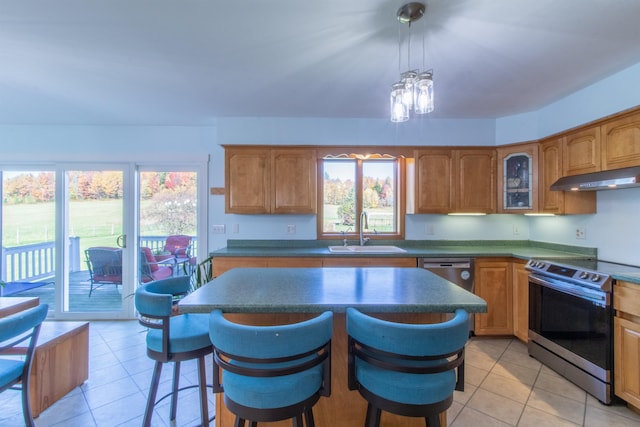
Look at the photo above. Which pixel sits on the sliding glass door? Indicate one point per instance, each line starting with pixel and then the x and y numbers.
pixel 28 263
pixel 82 237
pixel 97 254
pixel 167 221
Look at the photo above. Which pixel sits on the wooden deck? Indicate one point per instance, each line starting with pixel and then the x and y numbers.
pixel 105 298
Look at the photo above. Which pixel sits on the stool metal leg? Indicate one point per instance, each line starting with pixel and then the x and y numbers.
pixel 432 420
pixel 26 405
pixel 308 418
pixel 373 416
pixel 174 395
pixel 153 390
pixel 204 404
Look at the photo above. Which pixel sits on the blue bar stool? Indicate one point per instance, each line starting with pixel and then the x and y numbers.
pixel 272 373
pixel 406 369
pixel 16 329
pixel 173 339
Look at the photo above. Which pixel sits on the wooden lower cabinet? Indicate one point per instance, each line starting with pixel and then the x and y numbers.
pixel 370 262
pixel 222 264
pixel 493 283
pixel 520 301
pixel 626 342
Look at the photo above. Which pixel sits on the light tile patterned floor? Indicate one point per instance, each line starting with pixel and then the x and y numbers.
pixel 504 387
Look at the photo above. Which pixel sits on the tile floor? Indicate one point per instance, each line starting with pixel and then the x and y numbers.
pixel 504 387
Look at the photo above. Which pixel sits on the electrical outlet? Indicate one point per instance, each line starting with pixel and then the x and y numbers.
pixel 516 230
pixel 581 233
pixel 218 229
pixel 236 228
pixel 430 229
pixel 291 229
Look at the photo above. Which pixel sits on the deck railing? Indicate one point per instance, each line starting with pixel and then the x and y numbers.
pixel 28 262
pixel 36 262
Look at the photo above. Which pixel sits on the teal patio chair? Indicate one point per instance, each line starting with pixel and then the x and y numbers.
pixel 272 373
pixel 172 338
pixel 15 330
pixel 406 369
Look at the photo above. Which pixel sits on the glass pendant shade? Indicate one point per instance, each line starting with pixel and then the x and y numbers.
pixel 424 93
pixel 408 79
pixel 399 110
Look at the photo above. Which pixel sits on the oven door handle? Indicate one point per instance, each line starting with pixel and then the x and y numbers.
pixel 598 297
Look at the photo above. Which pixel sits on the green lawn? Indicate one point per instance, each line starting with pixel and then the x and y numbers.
pixel 97 223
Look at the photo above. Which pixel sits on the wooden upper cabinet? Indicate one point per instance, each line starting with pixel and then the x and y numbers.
pixel 518 178
pixel 549 170
pixel 248 180
pixel 581 151
pixel 475 189
pixel 294 181
pixel 621 142
pixel 434 180
pixel 455 180
pixel 262 180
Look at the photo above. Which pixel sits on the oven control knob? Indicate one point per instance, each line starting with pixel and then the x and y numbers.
pixel 583 275
pixel 595 277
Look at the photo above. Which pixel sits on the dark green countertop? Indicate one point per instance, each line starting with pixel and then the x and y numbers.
pixel 313 290
pixel 523 249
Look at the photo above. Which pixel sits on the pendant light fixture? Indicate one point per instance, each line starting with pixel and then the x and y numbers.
pixel 414 91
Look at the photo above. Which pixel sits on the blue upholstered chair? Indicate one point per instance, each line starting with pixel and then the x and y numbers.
pixel 272 373
pixel 172 339
pixel 406 369
pixel 19 328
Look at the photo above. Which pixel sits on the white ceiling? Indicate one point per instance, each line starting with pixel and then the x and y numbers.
pixel 186 62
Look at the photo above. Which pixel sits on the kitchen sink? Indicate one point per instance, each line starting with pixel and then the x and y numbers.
pixel 367 249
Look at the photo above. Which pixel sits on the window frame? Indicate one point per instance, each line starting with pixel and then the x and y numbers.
pixel 399 196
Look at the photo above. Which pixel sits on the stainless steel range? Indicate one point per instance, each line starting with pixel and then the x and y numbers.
pixel 570 322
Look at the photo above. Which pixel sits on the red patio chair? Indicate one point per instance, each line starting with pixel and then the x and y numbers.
pixel 151 269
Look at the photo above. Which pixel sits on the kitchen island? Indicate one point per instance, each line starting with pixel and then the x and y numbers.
pixel 263 296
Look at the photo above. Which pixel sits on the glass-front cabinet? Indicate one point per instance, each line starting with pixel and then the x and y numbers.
pixel 517 165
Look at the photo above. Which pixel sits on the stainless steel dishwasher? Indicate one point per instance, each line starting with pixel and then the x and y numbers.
pixel 456 270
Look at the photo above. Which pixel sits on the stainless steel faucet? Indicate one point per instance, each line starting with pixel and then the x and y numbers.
pixel 364 223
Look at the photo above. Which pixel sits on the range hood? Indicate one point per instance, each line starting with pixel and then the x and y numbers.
pixel 607 180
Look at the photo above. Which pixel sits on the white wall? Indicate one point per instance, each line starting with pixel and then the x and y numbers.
pixel 104 143
pixel 614 230
pixel 289 131
pixel 445 227
pixel 618 92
